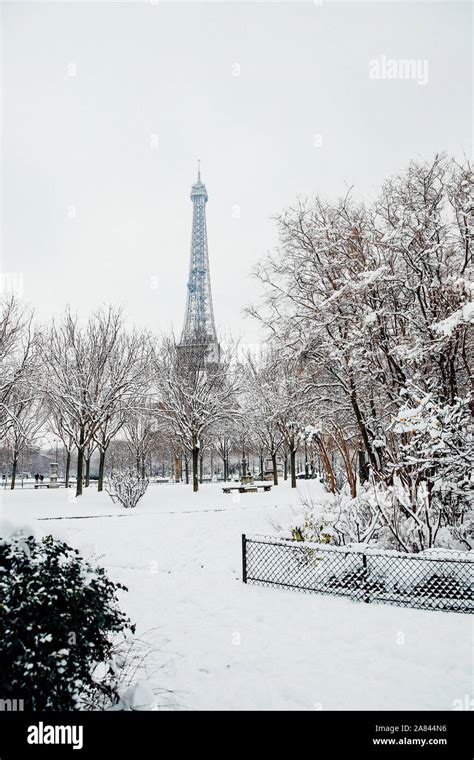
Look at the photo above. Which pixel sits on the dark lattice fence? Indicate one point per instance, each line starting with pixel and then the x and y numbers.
pixel 435 580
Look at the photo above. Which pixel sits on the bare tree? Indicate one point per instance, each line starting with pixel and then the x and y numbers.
pixel 19 358
pixel 93 372
pixel 195 395
pixel 262 401
pixel 140 430
pixel 224 440
pixel 27 426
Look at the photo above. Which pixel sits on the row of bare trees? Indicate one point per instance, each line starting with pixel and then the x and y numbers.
pixel 92 383
pixel 95 382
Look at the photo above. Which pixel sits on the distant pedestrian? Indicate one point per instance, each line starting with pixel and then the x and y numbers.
pixel 37 477
pixel 41 477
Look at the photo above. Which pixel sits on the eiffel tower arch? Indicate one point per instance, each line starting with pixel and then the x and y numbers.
pixel 199 336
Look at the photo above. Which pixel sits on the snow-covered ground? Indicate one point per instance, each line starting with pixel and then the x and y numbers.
pixel 220 644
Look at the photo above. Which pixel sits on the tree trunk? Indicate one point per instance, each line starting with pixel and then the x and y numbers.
pixel 68 468
pixel 363 466
pixel 275 469
pixel 142 467
pixel 285 471
pixel 88 470
pixel 80 463
pixel 201 459
pixel 345 453
pixel 15 465
pixel 100 482
pixel 327 466
pixel 362 426
pixel 186 470
pixel 195 469
pixel 293 467
pixel 80 470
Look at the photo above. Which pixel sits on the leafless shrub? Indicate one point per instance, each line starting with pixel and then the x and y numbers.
pixel 126 487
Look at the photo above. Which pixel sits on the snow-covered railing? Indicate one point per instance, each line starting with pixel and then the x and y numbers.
pixel 438 579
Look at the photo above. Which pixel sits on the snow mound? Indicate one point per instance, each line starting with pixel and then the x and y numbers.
pixel 10 528
pixel 138 696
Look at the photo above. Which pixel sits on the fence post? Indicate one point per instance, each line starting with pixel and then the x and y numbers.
pixel 364 563
pixel 244 559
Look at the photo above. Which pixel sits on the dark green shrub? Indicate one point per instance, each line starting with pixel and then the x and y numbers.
pixel 58 615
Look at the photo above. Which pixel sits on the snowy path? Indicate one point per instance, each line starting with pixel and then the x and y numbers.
pixel 224 645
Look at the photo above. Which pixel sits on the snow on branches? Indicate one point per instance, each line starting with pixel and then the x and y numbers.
pixel 376 303
pixel 127 487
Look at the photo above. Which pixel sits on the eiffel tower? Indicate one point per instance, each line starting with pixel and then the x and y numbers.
pixel 199 337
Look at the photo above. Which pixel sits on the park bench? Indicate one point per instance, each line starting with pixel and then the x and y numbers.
pixel 250 488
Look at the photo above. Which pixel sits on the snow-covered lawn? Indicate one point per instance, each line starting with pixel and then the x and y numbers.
pixel 223 645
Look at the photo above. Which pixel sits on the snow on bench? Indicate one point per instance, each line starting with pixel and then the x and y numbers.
pixel 251 488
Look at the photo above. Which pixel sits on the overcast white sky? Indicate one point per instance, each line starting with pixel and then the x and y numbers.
pixel 83 144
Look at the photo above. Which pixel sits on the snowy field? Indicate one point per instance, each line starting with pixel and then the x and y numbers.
pixel 219 644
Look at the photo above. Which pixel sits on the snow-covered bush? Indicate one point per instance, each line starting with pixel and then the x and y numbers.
pixel 344 520
pixel 390 517
pixel 425 497
pixel 359 518
pixel 433 483
pixel 126 487
pixel 58 620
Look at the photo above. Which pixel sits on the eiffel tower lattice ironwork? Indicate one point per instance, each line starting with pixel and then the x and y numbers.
pixel 199 330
